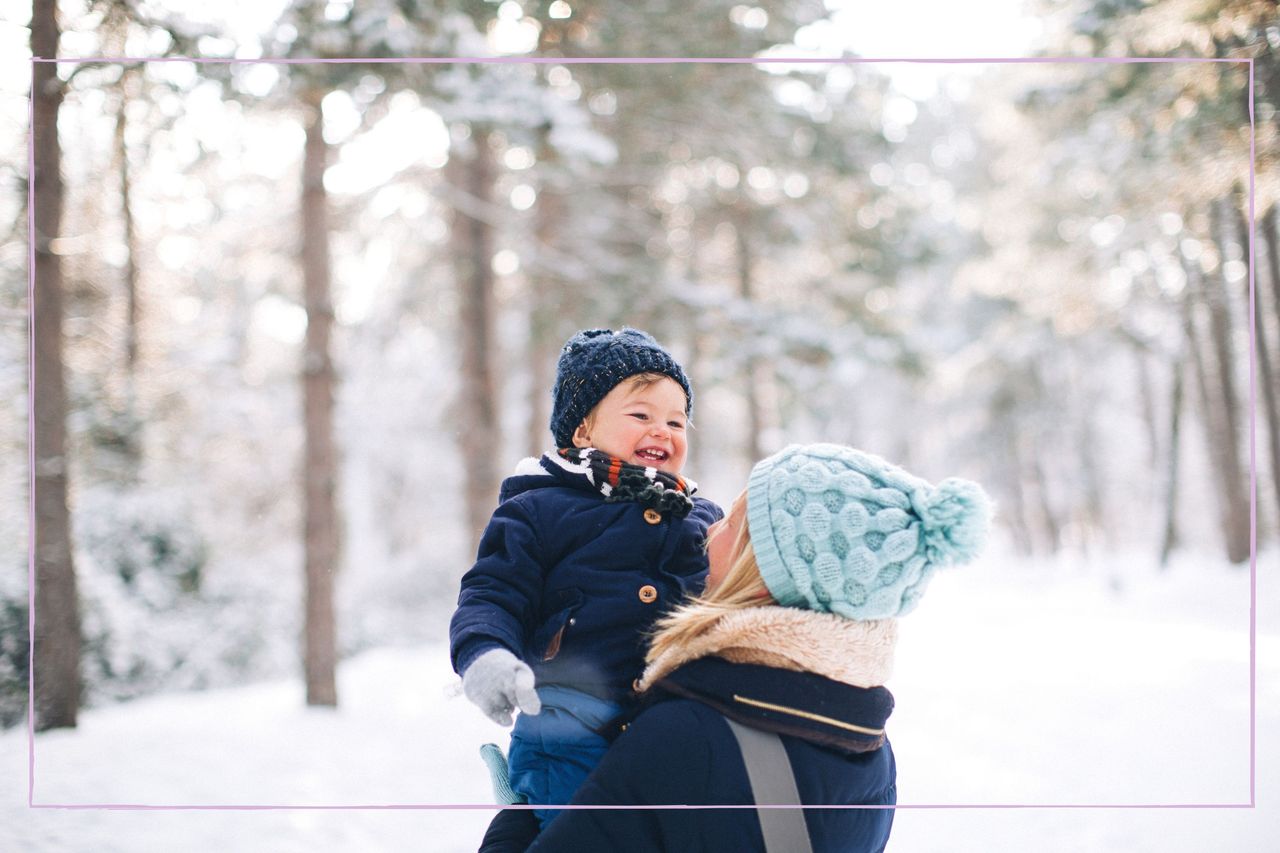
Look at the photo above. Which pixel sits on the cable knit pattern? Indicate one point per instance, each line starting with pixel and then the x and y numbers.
pixel 851 652
pixel 593 362
pixel 841 531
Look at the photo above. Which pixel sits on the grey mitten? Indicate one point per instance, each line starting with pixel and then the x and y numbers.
pixel 499 682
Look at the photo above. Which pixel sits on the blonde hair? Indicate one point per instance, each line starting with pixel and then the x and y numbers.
pixel 740 589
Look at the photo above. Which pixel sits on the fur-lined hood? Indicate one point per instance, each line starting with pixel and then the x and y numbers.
pixel 859 654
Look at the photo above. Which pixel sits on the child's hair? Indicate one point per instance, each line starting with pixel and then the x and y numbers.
pixel 740 589
pixel 636 382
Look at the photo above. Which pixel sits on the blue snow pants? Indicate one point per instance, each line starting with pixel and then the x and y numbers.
pixel 553 752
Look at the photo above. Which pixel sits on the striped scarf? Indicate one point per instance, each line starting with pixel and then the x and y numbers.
pixel 623 481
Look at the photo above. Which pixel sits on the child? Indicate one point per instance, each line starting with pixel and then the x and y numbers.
pixel 587 548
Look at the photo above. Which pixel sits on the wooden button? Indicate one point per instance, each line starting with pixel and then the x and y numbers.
pixel 648 594
pixel 652 516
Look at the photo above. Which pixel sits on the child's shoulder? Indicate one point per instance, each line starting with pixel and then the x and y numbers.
pixel 531 485
pixel 530 466
pixel 543 497
pixel 706 510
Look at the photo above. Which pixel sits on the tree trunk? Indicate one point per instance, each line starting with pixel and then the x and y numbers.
pixel 1271 233
pixel 132 440
pixel 547 329
pixel 543 353
pixel 1147 397
pixel 1236 523
pixel 472 174
pixel 1014 466
pixel 1094 510
pixel 1048 517
pixel 1217 432
pixel 1169 538
pixel 57 616
pixel 1032 444
pixel 1267 367
pixel 545 311
pixel 132 307
pixel 693 366
pixel 751 388
pixel 320 534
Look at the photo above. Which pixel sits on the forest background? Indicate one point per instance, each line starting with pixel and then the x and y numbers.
pixel 293 322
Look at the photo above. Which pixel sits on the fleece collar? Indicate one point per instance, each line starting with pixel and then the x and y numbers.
pixel 853 652
pixel 815 676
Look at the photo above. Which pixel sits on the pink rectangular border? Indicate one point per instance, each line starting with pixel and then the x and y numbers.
pixel 652 60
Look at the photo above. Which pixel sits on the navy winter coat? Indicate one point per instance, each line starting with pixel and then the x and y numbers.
pixel 570 582
pixel 679 750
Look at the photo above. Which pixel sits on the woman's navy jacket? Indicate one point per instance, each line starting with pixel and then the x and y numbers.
pixel 569 582
pixel 680 751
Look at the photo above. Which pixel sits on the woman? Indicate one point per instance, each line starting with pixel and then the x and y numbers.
pixel 793 637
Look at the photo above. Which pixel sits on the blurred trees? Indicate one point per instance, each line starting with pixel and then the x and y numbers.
pixel 725 252
pixel 1035 279
pixel 1173 142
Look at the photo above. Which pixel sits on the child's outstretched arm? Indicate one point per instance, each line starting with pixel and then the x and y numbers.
pixel 499 601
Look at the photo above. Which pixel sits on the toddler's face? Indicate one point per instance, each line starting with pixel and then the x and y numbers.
pixel 640 425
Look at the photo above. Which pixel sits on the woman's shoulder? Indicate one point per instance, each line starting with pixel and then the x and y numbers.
pixel 672 727
pixel 675 715
pixel 679 733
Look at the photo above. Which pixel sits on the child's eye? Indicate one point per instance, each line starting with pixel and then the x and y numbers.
pixel 640 416
pixel 675 424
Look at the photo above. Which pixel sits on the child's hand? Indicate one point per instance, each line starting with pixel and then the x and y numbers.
pixel 499 682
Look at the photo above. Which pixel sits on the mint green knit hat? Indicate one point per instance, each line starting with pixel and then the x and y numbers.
pixel 841 531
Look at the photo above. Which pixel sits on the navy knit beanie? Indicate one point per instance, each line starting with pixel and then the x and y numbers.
pixel 593 362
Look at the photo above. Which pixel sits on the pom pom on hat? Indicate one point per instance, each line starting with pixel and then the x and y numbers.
pixel 841 531
pixel 593 362
pixel 954 520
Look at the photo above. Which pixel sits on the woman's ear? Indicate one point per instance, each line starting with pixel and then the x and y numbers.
pixel 581 436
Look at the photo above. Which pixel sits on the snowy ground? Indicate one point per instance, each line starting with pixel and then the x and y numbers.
pixel 1035 686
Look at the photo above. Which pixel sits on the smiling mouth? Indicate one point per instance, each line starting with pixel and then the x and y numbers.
pixel 651 454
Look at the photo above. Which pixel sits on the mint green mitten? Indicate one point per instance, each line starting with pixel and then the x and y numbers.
pixel 503 795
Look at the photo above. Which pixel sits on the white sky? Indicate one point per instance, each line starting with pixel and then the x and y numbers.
pixel 935 28
pixel 926 29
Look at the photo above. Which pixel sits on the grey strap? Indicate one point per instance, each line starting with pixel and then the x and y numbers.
pixel 772 783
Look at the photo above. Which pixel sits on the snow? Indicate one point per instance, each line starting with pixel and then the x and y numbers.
pixel 1016 684
pixel 398 738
